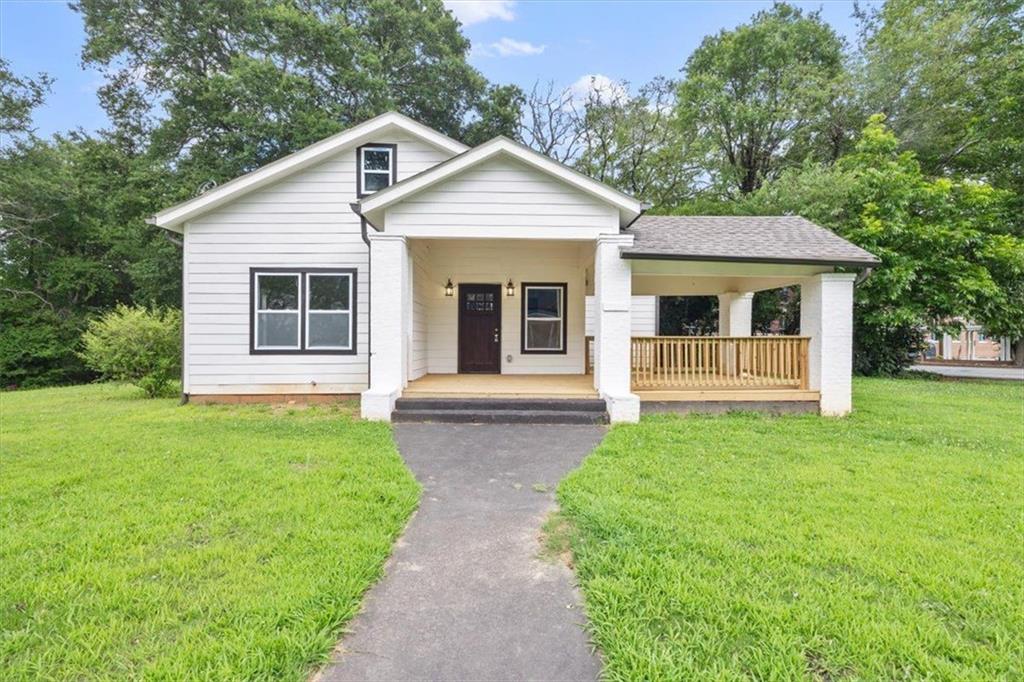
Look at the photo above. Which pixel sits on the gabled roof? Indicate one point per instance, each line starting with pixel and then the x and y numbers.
pixel 373 205
pixel 749 239
pixel 172 218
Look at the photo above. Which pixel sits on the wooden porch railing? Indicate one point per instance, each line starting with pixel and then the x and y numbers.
pixel 670 362
pixel 719 361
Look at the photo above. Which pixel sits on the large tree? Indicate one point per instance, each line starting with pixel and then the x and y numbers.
pixel 765 94
pixel 944 259
pixel 949 74
pixel 218 87
pixel 630 142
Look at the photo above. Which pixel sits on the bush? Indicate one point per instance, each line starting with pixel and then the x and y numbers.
pixel 885 351
pixel 133 344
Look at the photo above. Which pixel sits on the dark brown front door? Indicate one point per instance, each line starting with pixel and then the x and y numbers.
pixel 480 328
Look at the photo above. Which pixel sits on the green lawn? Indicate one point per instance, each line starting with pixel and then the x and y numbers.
pixel 888 545
pixel 143 539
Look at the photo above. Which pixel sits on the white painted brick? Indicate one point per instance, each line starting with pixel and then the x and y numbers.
pixel 389 319
pixel 612 328
pixel 826 315
pixel 734 313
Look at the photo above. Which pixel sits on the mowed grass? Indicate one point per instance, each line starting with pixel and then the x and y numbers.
pixel 887 545
pixel 144 539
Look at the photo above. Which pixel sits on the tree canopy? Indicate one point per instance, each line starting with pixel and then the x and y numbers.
pixel 776 115
pixel 760 94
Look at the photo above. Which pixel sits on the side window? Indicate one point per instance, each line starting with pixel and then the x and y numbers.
pixel 544 320
pixel 376 167
pixel 277 311
pixel 303 311
pixel 329 311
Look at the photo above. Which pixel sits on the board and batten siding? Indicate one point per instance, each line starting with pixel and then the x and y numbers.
pixel 495 262
pixel 502 198
pixel 302 221
pixel 643 316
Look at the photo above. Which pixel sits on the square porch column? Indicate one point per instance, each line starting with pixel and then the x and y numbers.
pixel 735 310
pixel 389 272
pixel 826 315
pixel 613 282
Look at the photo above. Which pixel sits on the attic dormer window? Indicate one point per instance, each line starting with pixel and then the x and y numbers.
pixel 376 166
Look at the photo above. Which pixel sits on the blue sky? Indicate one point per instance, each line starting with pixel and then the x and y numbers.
pixel 518 42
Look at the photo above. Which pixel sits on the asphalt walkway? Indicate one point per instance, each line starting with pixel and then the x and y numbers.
pixel 465 595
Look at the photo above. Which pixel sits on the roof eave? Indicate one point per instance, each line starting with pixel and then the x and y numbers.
pixel 174 216
pixel 838 262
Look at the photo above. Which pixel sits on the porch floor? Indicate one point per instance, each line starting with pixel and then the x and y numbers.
pixel 501 386
pixel 581 386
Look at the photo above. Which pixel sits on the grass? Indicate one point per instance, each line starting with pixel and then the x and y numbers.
pixel 888 545
pixel 143 539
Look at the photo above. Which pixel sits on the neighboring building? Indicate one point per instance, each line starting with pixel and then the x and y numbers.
pixel 389 257
pixel 972 343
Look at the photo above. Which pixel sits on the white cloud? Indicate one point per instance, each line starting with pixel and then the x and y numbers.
pixel 603 87
pixel 507 47
pixel 471 12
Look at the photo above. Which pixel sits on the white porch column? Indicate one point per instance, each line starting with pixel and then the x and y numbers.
pixel 734 313
pixel 612 321
pixel 389 272
pixel 826 315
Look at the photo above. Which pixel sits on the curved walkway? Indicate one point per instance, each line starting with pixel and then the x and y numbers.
pixel 465 596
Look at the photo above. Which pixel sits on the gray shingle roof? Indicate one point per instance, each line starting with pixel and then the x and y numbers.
pixel 764 239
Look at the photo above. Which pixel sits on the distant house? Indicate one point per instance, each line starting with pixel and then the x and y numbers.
pixel 393 262
pixel 972 343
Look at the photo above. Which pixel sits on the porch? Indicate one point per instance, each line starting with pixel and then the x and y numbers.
pixel 503 319
pixel 662 368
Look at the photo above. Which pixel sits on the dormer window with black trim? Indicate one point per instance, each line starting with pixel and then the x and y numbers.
pixel 376 167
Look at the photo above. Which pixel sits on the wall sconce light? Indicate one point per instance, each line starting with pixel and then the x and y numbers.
pixel 510 288
pixel 449 288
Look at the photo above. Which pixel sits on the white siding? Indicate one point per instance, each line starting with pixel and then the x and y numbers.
pixel 644 316
pixel 493 262
pixel 302 221
pixel 502 198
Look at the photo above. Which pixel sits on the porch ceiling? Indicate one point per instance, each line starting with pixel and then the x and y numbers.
pixel 704 278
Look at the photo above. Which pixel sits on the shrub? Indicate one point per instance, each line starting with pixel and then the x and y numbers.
pixel 133 344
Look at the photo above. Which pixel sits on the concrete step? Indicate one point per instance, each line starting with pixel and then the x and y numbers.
pixel 487 404
pixel 498 416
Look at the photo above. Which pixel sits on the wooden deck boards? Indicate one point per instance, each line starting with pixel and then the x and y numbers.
pixel 580 386
pixel 502 385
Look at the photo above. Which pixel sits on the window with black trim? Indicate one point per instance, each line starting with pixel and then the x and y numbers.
pixel 310 310
pixel 544 318
pixel 376 166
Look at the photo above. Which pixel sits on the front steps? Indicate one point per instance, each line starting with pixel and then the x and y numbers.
pixel 501 410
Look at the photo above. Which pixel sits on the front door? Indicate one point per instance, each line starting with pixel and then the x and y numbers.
pixel 480 328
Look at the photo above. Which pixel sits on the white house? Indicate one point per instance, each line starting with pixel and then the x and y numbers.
pixel 390 260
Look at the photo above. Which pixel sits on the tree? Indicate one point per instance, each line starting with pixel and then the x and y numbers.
pixel 760 94
pixel 632 144
pixel 552 123
pixel 941 260
pixel 949 75
pixel 72 240
pixel 687 315
pixel 220 87
pixel 18 98
pixel 499 112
